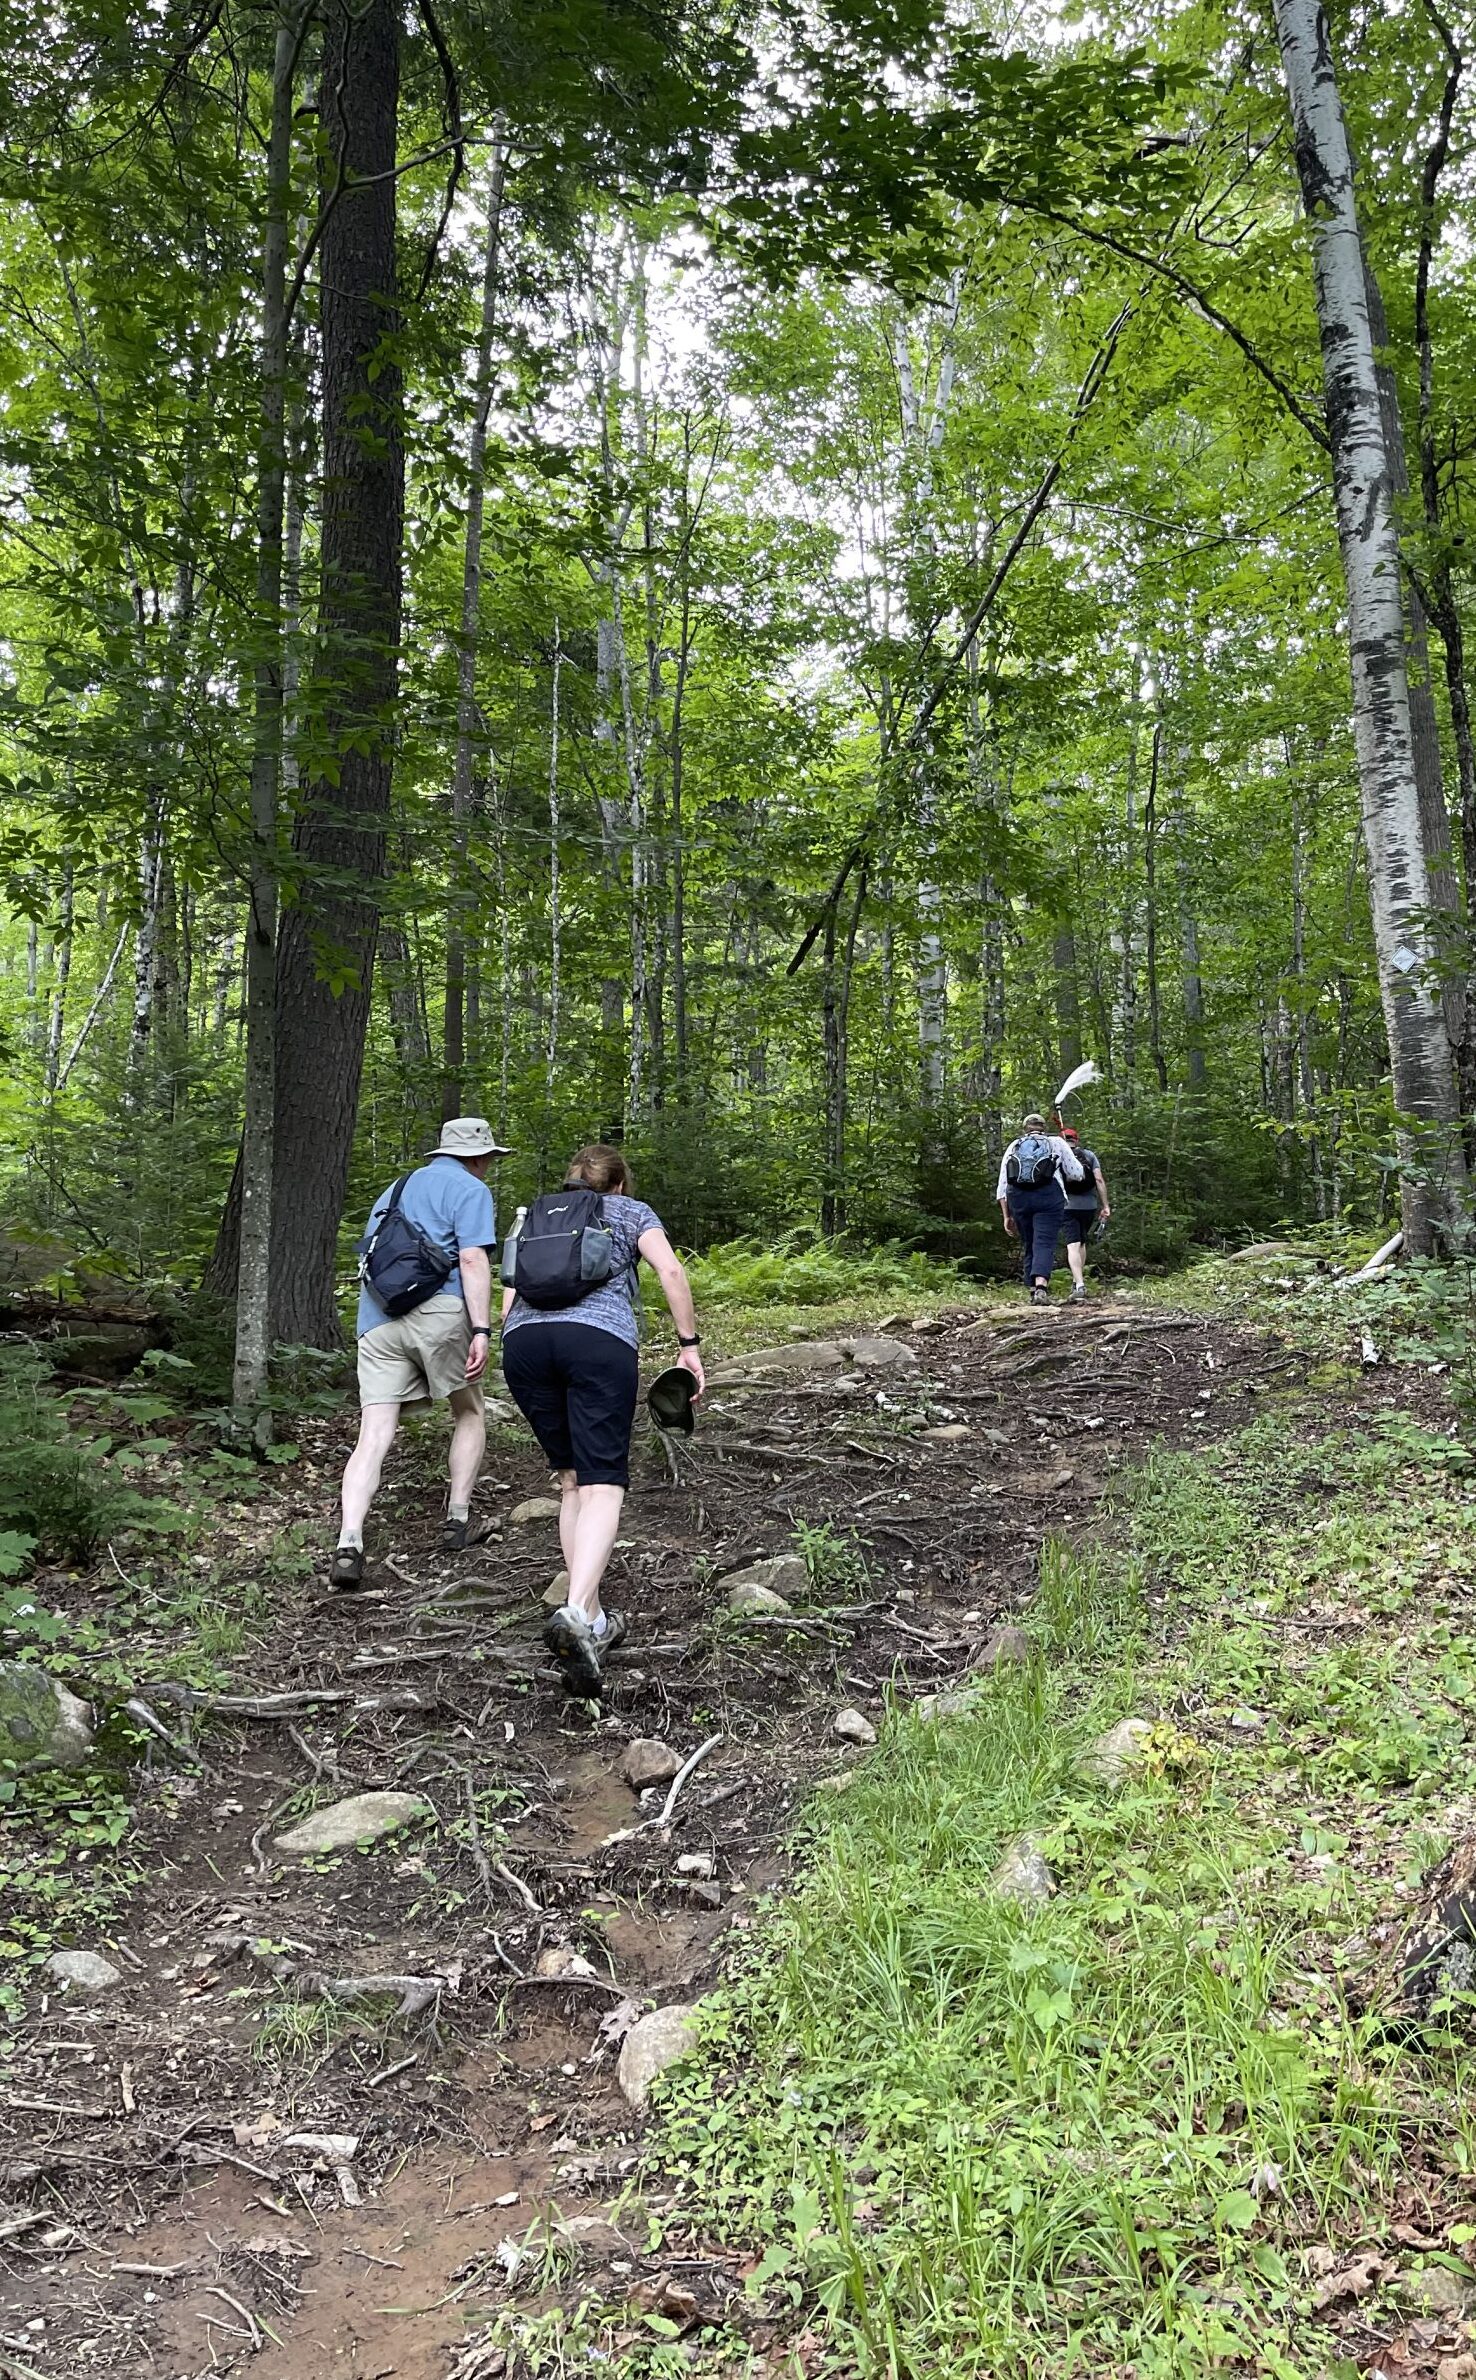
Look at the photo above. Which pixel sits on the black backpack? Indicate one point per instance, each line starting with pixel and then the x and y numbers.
pixel 398 1262
pixel 562 1249
pixel 1032 1164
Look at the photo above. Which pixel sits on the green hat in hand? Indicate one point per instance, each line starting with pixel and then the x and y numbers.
pixel 669 1400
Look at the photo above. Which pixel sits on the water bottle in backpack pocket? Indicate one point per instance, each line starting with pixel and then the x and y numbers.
pixel 1032 1164
pixel 561 1249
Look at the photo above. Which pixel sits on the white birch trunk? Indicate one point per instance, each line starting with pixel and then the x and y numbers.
pixel 1434 1188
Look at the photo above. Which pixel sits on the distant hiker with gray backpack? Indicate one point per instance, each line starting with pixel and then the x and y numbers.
pixel 424 1324
pixel 570 1335
pixel 1033 1173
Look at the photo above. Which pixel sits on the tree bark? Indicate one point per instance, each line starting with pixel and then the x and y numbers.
pixel 1068 1000
pixel 1150 887
pixel 326 951
pixel 63 968
pixel 1433 1188
pixel 258 1133
pixel 466 657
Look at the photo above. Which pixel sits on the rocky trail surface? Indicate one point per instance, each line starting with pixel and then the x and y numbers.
pixel 351 2072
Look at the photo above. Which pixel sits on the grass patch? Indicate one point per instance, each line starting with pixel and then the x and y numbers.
pixel 1111 2132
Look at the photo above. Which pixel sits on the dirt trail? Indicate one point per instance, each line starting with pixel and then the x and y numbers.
pixel 156 2213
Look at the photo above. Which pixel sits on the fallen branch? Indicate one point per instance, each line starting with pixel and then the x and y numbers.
pixel 138 1710
pixel 683 1773
pixel 1376 1262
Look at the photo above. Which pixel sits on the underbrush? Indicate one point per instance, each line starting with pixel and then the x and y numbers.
pixel 801 1269
pixel 1128 2128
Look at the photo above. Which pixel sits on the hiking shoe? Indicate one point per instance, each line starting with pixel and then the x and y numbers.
pixel 1078 1295
pixel 347 1569
pixel 455 1537
pixel 615 1632
pixel 1040 1297
pixel 576 1648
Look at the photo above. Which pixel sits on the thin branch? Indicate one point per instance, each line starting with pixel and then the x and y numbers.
pixel 432 25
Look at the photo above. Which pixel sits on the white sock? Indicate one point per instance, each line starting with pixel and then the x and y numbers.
pixel 458 1512
pixel 598 1624
pixel 351 1537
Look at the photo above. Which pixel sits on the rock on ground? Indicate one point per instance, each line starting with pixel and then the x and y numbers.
pixel 1435 2289
pixel 956 1702
pixel 363 1818
pixel 869 1354
pixel 1114 1753
pixel 782 1575
pixel 746 1595
pixel 42 1725
pixel 535 1508
pixel 83 1970
pixel 1001 1648
pixel 1023 1873
pixel 947 1433
pixel 556 1593
pixel 853 1727
pixel 652 2045
pixel 648 1761
pixel 879 1355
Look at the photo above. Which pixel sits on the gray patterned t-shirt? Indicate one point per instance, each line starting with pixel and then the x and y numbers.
pixel 614 1305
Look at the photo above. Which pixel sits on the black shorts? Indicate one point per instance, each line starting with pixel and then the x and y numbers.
pixel 1076 1226
pixel 575 1385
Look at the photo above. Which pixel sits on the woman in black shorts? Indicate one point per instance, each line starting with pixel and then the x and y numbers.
pixel 573 1375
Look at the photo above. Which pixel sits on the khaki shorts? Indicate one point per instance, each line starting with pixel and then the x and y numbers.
pixel 421 1355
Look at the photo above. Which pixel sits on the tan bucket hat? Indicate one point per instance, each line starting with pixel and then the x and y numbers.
pixel 468 1136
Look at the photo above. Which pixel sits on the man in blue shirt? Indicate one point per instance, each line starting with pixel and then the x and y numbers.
pixel 438 1349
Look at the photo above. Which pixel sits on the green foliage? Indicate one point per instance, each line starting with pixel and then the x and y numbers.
pixel 798 1268
pixel 62 1488
pixel 974 2135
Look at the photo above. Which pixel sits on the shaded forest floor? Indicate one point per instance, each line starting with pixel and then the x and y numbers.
pixel 235 2160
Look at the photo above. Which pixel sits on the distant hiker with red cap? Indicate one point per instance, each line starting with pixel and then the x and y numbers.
pixel 1086 1203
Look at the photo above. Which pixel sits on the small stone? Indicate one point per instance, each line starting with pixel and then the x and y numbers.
pixel 841 1782
pixel 783 1575
pixel 1113 1754
pixel 648 1761
pixel 1249 1722
pixel 702 1890
pixel 83 1970
pixel 853 1727
pixel 535 1508
pixel 948 1433
pixel 697 1863
pixel 657 2042
pixel 928 1326
pixel 1435 2289
pixel 42 1724
pixel 1023 1873
pixel 1003 1648
pixel 560 1963
pixel 362 1818
pixel 556 1593
pixel 957 1702
pixel 747 1595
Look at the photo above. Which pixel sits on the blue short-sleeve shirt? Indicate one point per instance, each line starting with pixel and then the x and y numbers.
pixel 452 1208
pixel 614 1306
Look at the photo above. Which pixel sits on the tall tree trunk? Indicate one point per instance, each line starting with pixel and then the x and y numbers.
pixel 1150 889
pixel 835 1019
pixel 1068 1000
pixel 466 657
pixel 56 1025
pixel 1424 724
pixel 258 1132
pixel 1192 980
pixel 1434 1188
pixel 322 1021
pixel 555 885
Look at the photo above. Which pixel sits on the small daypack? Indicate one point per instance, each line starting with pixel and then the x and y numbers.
pixel 1032 1164
pixel 399 1262
pixel 562 1249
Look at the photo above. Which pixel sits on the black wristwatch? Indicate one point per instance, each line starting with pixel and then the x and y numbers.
pixel 481 1330
pixel 693 1342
